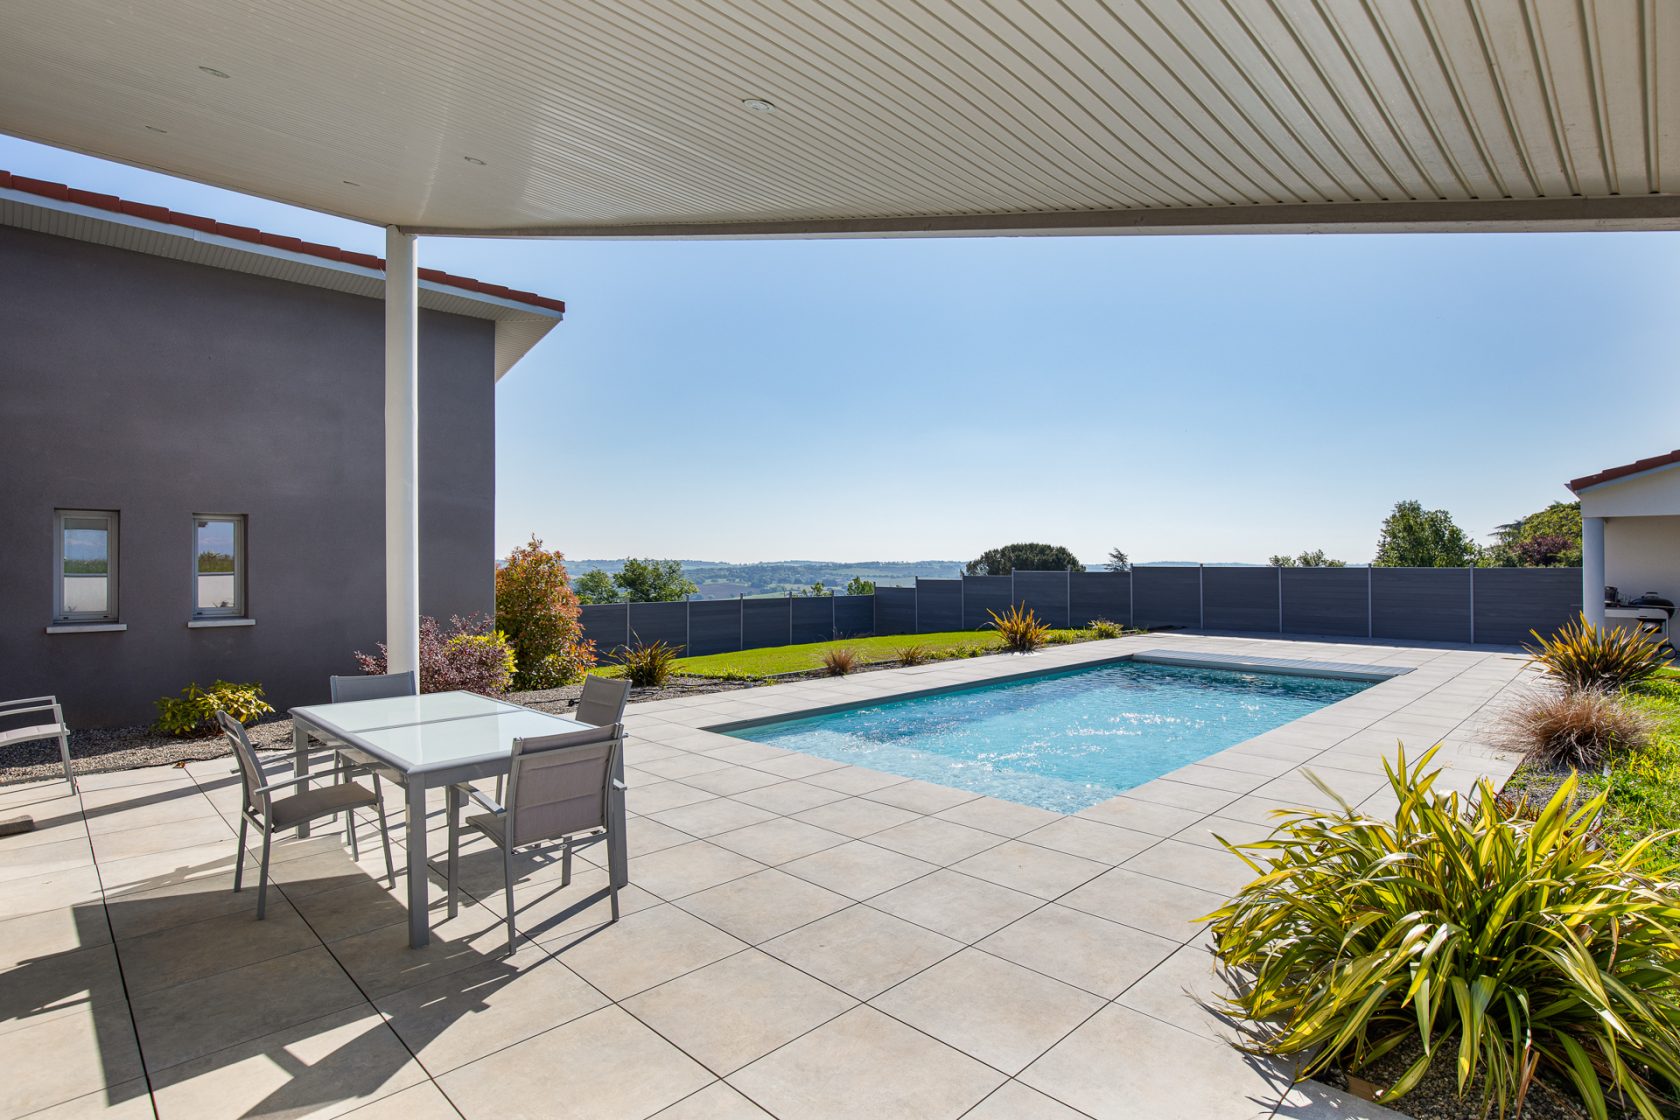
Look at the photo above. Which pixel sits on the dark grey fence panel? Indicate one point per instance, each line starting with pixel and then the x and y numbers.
pixel 854 616
pixel 813 619
pixel 1045 594
pixel 895 610
pixel 1240 599
pixel 1512 601
pixel 1166 596
pixel 1097 595
pixel 982 594
pixel 765 622
pixel 1422 604
pixel 1326 601
pixel 714 626
pixel 659 622
pixel 938 605
pixel 604 624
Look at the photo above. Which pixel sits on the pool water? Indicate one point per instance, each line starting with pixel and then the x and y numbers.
pixel 1065 741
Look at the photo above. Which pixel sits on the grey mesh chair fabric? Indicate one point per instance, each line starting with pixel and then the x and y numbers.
pixel 560 786
pixel 603 701
pixel 365 686
pixel 261 808
pixel 46 721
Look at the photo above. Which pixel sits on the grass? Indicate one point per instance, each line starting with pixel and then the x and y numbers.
pixel 776 660
pixel 1644 786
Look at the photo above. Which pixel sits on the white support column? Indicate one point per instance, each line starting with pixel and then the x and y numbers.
pixel 1592 569
pixel 402 453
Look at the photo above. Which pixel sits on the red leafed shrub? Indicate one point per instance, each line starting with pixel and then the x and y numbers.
pixel 538 611
pixel 471 656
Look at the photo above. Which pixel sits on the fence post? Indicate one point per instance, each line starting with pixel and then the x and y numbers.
pixel 1280 599
pixel 1472 604
pixel 1370 611
pixel 916 607
pixel 1131 598
pixel 790 618
pixel 1012 600
pixel 1201 596
pixel 962 601
pixel 1068 577
pixel 741 621
pixel 833 618
pixel 688 622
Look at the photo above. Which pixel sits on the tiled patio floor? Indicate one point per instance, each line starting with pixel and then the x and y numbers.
pixel 801 938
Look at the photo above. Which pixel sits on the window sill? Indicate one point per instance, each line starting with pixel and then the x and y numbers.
pixel 216 623
pixel 86 627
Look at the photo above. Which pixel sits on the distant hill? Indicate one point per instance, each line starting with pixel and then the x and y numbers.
pixel 721 580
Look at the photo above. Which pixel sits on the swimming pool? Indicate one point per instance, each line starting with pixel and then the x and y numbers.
pixel 1064 741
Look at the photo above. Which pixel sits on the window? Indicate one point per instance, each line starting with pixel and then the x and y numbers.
pixel 84 565
pixel 218 566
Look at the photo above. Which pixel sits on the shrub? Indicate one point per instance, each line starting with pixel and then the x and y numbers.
pixel 473 657
pixel 1577 729
pixel 1519 948
pixel 840 660
pixel 913 655
pixel 193 713
pixel 1020 629
pixel 1103 628
pixel 648 666
pixel 1582 655
pixel 537 610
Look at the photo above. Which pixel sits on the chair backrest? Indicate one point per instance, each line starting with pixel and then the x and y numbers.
pixel 361 686
pixel 250 773
pixel 603 701
pixel 560 784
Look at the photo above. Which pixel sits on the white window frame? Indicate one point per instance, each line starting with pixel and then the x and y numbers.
pixel 238 608
pixel 113 568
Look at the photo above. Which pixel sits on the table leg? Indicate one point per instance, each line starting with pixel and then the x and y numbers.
pixel 618 845
pixel 419 932
pixel 452 799
pixel 300 761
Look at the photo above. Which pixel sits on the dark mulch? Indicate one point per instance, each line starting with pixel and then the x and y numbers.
pixel 97 750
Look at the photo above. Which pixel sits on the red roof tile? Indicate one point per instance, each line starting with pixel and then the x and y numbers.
pixel 1613 473
pixel 63 193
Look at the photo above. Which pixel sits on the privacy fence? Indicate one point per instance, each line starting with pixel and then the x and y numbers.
pixel 1496 606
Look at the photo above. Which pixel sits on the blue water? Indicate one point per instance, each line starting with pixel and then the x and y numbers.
pixel 1062 742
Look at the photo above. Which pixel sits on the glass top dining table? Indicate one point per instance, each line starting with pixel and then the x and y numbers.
pixel 435 740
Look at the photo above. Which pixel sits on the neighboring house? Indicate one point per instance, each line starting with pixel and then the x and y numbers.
pixel 191 438
pixel 1630 535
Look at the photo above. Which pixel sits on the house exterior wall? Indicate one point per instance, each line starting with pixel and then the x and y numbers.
pixel 1643 554
pixel 163 389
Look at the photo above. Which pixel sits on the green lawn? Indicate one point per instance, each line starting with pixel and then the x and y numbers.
pixel 1645 785
pixel 775 660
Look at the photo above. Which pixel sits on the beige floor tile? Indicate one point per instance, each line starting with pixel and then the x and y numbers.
pixel 34 860
pixel 320 1068
pixel 706 818
pixel 644 949
pixel 51 933
pixel 381 961
pixel 858 870
pixel 645 836
pixel 1314 1100
pixel 1144 902
pixel 1179 795
pixel 778 840
pixel 834 1073
pixel 687 868
pixel 171 806
pixel 547 911
pixel 460 1018
pixel 727 1014
pixel 1014 1101
pixel 191 952
pixel 1077 836
pixel 763 905
pixel 1188 990
pixel 424 1101
pixel 855 779
pixel 1141 816
pixel 957 905
pixel 856 816
pixel 1194 866
pixel 358 907
pixel 862 951
pixel 191 1020
pixel 66 1058
pixel 132 1100
pixel 154 838
pixel 1200 1078
pixel 662 796
pixel 84 984
pixel 682 765
pixel 76 887
pixel 996 815
pixel 1089 952
pixel 1042 872
pixel 802 766
pixel 50 828
pixel 612 1066
pixel 936 841
pixel 136 913
pixel 716 1101
pixel 788 797
pixel 731 779
pixel 988 1008
pixel 921 797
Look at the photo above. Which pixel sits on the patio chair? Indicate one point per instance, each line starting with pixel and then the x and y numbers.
pixel 35 731
pixel 261 808
pixel 560 786
pixel 348 763
pixel 601 705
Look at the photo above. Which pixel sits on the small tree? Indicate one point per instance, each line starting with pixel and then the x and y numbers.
pixel 537 610
pixel 1413 537
pixel 1029 557
pixel 654 581
pixel 595 586
pixel 1118 561
pixel 857 585
pixel 472 656
pixel 815 591
pixel 1313 559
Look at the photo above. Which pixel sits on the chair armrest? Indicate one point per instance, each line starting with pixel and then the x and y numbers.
pixel 484 800
pixel 269 787
pixel 7 713
pixel 51 701
pixel 618 785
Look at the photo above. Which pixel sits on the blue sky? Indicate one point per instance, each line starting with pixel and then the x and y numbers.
pixel 1185 398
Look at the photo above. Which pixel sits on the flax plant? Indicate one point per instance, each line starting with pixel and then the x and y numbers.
pixel 1511 948
pixel 1020 629
pixel 1583 656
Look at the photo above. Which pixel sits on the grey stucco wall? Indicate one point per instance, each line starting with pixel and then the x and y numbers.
pixel 161 389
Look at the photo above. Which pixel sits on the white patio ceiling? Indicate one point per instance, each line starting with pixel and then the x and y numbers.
pixel 901 116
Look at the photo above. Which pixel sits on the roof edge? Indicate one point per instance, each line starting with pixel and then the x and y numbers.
pixel 1627 470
